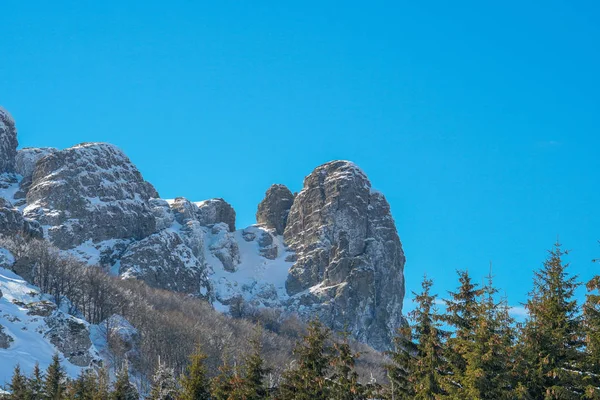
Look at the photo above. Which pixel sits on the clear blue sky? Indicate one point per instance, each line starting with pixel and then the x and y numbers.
pixel 478 120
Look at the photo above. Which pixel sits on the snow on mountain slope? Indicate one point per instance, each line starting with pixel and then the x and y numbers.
pixel 24 320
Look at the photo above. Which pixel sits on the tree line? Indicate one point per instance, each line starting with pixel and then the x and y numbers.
pixel 472 349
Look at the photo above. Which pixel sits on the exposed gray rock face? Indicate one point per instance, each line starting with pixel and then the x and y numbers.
pixel 91 191
pixel 162 213
pixel 348 254
pixel 267 248
pixel 274 209
pixel 5 339
pixel 224 246
pixel 12 222
pixel 162 260
pixel 8 142
pixel 184 210
pixel 27 158
pixel 71 337
pixel 214 211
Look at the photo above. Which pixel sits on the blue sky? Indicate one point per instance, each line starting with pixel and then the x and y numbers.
pixel 477 120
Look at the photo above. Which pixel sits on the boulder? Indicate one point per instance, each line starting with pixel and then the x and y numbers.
pixel 273 210
pixel 215 211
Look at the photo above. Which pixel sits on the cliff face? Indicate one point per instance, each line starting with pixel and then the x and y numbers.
pixel 350 260
pixel 330 251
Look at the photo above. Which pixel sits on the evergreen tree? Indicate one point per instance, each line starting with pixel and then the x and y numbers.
pixel 18 385
pixel 223 384
pixel 488 372
pixel 164 385
pixel 36 384
pixel 84 387
pixel 124 389
pixel 255 371
pixel 461 315
pixel 54 383
pixel 400 370
pixel 552 337
pixel 344 380
pixel 194 383
pixel 591 314
pixel 308 380
pixel 429 372
pixel 102 378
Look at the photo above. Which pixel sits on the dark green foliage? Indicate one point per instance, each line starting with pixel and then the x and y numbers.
pixel 307 380
pixel 36 383
pixel 124 389
pixel 18 385
pixel 255 371
pixel 429 373
pixel 54 383
pixel 551 340
pixel 462 315
pixel 591 312
pixel 400 369
pixel 344 381
pixel 488 360
pixel 85 387
pixel 194 383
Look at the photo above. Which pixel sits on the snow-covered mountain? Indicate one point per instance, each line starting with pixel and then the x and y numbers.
pixel 331 250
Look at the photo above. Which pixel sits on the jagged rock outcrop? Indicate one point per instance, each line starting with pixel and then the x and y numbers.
pixel 273 210
pixel 71 337
pixel 162 260
pixel 214 211
pixel 349 256
pixel 13 223
pixel 27 158
pixel 224 246
pixel 5 339
pixel 81 192
pixel 8 142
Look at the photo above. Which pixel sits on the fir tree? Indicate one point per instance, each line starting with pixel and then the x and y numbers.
pixel 18 385
pixel 54 383
pixel 400 369
pixel 488 373
pixel 308 380
pixel 36 384
pixel 461 315
pixel 552 337
pixel 194 383
pixel 84 387
pixel 591 312
pixel 164 385
pixel 102 377
pixel 124 389
pixel 222 385
pixel 429 372
pixel 344 380
pixel 255 370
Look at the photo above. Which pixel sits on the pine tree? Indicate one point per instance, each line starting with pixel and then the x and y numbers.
pixel 344 380
pixel 429 371
pixel 164 385
pixel 308 380
pixel 461 315
pixel 84 387
pixel 36 384
pixel 54 383
pixel 591 312
pixel 488 372
pixel 552 337
pixel 124 389
pixel 18 385
pixel 102 378
pixel 194 383
pixel 255 370
pixel 400 369
pixel 222 385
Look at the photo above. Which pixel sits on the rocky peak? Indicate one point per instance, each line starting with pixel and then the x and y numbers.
pixel 27 158
pixel 214 211
pixel 349 257
pixel 273 210
pixel 8 142
pixel 80 192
